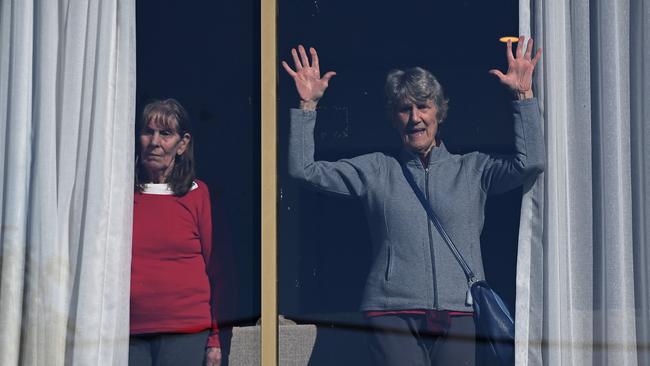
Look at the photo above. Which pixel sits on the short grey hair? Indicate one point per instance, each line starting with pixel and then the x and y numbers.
pixel 417 85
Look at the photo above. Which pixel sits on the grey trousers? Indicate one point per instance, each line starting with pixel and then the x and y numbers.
pixel 167 349
pixel 406 339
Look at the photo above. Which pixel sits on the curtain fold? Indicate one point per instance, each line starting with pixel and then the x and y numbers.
pixel 582 263
pixel 15 102
pixel 640 136
pixel 67 87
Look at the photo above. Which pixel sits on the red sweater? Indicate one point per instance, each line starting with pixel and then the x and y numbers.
pixel 172 279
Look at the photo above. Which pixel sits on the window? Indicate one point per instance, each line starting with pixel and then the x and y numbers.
pixel 324 242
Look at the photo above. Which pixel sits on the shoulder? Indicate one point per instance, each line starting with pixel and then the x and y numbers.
pixel 474 160
pixel 386 158
pixel 200 187
pixel 374 161
pixel 374 157
pixel 199 184
pixel 198 192
pixel 197 199
pixel 473 156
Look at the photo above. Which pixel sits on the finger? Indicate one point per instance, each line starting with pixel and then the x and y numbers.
pixel 520 47
pixel 509 56
pixel 497 73
pixel 314 59
pixel 328 75
pixel 296 60
pixel 303 56
pixel 288 69
pixel 538 55
pixel 529 49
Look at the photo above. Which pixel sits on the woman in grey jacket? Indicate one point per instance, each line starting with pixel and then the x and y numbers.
pixel 415 292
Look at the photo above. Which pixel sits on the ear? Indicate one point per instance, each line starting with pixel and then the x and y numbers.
pixel 182 145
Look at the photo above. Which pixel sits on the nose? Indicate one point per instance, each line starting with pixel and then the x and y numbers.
pixel 155 139
pixel 415 114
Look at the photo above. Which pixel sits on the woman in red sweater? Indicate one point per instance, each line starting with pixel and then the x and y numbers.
pixel 173 318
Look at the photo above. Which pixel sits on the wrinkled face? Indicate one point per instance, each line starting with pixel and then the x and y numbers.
pixel 417 125
pixel 159 145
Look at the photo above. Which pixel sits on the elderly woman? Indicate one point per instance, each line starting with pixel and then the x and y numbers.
pixel 173 318
pixel 415 293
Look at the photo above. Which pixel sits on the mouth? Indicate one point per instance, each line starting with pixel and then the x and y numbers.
pixel 152 156
pixel 416 132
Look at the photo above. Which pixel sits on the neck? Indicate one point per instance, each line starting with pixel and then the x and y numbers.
pixel 159 176
pixel 424 155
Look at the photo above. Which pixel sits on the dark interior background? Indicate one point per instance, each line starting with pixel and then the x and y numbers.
pixel 324 245
pixel 205 54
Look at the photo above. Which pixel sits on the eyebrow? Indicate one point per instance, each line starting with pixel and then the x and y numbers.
pixel 426 102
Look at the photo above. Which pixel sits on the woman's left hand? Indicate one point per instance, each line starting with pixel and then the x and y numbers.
pixel 213 356
pixel 519 77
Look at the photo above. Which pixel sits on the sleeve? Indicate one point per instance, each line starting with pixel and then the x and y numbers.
pixel 346 177
pixel 205 232
pixel 499 175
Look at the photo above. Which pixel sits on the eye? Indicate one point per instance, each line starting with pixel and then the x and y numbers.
pixel 166 132
pixel 146 131
pixel 423 107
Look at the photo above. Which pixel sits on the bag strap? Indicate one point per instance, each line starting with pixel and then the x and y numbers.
pixel 471 278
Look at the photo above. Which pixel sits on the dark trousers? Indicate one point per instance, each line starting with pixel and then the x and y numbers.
pixel 406 339
pixel 167 349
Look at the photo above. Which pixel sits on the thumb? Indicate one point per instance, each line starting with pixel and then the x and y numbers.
pixel 497 73
pixel 328 76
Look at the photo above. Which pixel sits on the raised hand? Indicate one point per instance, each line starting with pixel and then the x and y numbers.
pixel 309 84
pixel 519 77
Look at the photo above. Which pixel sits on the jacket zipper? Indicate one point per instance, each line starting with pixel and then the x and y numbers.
pixel 433 256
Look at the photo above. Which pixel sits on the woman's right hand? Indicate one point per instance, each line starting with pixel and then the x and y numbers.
pixel 309 84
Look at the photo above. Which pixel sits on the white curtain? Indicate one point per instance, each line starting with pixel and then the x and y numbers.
pixel 582 277
pixel 67 86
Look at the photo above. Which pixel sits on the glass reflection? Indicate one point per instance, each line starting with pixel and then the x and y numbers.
pixel 346 266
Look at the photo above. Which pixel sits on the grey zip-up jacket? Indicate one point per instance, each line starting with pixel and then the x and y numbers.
pixel 412 267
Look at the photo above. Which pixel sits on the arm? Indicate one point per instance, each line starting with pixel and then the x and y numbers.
pixel 345 177
pixel 500 175
pixel 213 347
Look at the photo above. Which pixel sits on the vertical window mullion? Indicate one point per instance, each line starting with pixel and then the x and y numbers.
pixel 269 328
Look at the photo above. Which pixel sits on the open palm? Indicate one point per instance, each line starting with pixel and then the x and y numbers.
pixel 519 77
pixel 309 84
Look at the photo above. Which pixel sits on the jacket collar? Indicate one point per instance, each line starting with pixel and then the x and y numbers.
pixel 437 153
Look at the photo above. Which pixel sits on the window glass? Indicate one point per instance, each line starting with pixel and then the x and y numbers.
pixel 325 245
pixel 206 56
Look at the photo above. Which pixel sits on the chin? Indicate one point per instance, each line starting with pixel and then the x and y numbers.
pixel 419 148
pixel 154 166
